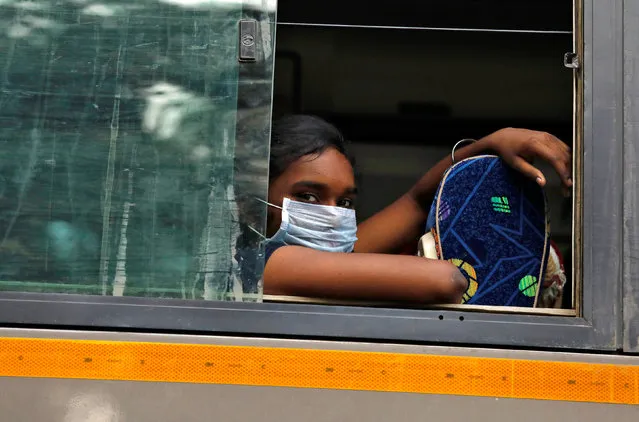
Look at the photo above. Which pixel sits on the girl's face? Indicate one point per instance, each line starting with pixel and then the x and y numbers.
pixel 325 179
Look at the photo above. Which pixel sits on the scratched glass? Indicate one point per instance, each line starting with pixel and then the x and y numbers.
pixel 133 142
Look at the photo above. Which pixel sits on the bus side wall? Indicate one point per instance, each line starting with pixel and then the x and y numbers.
pixel 74 400
pixel 66 400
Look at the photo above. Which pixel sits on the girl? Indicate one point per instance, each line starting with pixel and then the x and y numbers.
pixel 311 224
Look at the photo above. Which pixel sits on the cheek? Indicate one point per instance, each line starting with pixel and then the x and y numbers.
pixel 273 214
pixel 274 219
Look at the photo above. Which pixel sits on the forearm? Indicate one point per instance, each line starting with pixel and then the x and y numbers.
pixel 391 229
pixel 424 190
pixel 403 221
pixel 362 276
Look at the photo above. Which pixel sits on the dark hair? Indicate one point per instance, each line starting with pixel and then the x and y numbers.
pixel 295 136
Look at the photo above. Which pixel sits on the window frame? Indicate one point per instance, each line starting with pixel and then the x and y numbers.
pixel 631 179
pixel 597 326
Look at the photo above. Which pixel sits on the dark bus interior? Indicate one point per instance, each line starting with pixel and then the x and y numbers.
pixel 405 83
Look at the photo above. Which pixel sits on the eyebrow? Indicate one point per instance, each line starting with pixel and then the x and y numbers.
pixel 321 186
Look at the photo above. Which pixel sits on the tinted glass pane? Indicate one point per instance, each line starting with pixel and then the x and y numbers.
pixel 132 140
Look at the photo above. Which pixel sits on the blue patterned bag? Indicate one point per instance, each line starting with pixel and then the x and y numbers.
pixel 492 222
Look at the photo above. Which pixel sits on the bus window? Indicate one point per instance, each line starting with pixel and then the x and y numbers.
pixel 405 85
pixel 92 96
pixel 120 138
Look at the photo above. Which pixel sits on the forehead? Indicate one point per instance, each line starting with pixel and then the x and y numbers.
pixel 330 167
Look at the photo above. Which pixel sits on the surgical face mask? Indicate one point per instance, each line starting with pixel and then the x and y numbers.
pixel 320 227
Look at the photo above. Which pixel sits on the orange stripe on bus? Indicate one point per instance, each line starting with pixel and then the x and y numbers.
pixel 326 369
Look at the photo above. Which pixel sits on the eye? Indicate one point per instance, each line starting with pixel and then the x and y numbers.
pixel 346 203
pixel 307 197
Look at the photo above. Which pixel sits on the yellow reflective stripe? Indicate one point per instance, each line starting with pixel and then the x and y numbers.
pixel 309 368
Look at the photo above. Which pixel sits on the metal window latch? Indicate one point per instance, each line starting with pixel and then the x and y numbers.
pixel 571 60
pixel 248 40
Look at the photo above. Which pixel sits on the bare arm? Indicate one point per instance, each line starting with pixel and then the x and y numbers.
pixel 298 271
pixel 403 221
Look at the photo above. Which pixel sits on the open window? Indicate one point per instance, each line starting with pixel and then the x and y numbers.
pixel 406 84
pixel 92 96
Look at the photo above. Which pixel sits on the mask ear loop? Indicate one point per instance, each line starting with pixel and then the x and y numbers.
pixel 256 232
pixel 270 205
pixel 267 203
pixel 465 140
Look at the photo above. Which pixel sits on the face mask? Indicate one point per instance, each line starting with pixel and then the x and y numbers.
pixel 320 227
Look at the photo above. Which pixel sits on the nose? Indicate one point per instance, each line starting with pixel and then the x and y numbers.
pixel 332 201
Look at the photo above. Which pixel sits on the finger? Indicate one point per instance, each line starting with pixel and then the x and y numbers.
pixel 553 140
pixel 528 170
pixel 563 167
pixel 560 160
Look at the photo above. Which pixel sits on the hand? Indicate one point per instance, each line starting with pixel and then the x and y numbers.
pixel 519 147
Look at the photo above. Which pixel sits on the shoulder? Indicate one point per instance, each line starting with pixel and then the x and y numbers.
pixel 270 248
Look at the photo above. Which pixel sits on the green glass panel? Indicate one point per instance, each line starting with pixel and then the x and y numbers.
pixel 132 144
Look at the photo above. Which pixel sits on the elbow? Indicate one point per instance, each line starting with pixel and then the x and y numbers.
pixel 455 287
